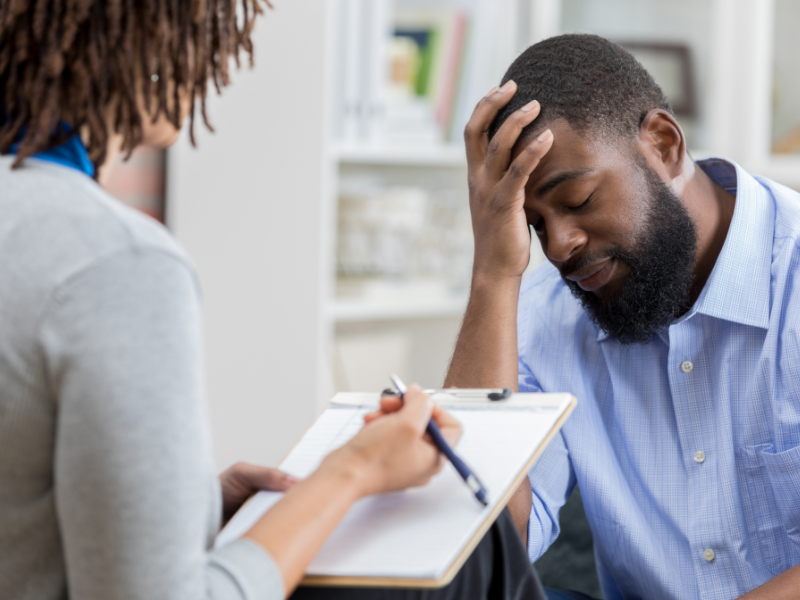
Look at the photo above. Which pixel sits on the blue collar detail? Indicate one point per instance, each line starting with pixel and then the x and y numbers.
pixel 71 153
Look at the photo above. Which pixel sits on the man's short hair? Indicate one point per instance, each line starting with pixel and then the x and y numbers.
pixel 595 84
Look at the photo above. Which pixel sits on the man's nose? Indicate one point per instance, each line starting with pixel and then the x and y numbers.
pixel 564 240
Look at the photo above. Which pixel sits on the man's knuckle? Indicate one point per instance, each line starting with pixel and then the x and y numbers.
pixel 470 132
pixel 486 100
pixel 516 170
pixel 516 118
pixel 534 150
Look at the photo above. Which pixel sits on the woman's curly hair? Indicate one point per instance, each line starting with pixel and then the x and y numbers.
pixel 84 58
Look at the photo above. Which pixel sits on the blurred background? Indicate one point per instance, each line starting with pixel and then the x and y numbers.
pixel 328 214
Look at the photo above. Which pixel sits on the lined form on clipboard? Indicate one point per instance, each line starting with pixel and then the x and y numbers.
pixel 418 537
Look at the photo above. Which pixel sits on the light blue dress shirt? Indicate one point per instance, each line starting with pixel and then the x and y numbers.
pixel 686 449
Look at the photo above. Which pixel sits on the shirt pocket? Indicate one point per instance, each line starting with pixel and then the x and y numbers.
pixel 769 543
pixel 784 476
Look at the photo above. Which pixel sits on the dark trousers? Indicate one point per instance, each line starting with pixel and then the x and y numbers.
pixel 498 569
pixel 564 595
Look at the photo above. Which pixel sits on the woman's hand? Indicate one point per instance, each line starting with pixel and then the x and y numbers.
pixel 392 451
pixel 242 480
pixel 497 184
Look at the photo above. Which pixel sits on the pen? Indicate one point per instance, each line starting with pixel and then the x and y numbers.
pixel 492 394
pixel 473 483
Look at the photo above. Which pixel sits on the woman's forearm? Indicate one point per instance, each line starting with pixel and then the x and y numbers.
pixel 294 530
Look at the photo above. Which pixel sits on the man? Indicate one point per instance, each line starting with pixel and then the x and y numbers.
pixel 669 309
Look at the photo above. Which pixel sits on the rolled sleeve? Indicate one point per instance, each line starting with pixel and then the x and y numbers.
pixel 243 569
pixel 552 480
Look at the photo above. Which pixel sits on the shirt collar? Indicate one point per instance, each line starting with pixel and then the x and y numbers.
pixel 738 288
pixel 72 153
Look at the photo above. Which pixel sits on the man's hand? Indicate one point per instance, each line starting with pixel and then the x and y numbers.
pixel 497 184
pixel 242 480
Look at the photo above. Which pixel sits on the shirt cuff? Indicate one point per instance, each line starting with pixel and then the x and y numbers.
pixel 243 569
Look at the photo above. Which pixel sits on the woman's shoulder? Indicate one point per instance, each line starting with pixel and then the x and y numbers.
pixel 57 221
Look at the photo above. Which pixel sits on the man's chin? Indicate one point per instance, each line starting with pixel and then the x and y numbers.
pixel 608 292
pixel 611 315
pixel 613 288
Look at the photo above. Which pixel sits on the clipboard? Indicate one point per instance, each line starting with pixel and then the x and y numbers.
pixel 419 538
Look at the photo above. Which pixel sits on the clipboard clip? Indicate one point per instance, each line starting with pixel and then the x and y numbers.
pixel 493 394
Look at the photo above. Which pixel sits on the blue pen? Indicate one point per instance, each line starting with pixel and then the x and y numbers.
pixel 432 430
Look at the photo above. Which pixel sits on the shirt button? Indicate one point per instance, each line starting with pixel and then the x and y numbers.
pixel 687 366
pixel 708 554
pixel 699 457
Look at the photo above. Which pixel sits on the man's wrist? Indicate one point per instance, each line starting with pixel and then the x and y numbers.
pixel 485 278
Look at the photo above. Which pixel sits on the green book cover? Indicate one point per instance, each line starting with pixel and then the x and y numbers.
pixel 426 65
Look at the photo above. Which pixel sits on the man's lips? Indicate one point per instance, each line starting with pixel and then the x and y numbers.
pixel 595 275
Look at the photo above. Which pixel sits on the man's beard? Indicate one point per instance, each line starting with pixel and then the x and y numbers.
pixel 658 288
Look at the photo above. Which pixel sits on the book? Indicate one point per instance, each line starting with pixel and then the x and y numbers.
pixel 409 73
pixel 418 537
pixel 430 42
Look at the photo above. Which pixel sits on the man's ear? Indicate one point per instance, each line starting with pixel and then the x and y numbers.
pixel 661 141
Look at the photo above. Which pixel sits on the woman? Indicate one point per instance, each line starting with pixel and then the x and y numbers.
pixel 106 482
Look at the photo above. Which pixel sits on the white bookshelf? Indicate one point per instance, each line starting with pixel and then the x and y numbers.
pixel 412 311
pixel 408 164
pixel 442 155
pixel 403 309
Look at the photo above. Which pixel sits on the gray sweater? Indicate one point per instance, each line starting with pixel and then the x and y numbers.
pixel 107 487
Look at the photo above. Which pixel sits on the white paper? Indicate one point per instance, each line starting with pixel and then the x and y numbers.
pixel 416 533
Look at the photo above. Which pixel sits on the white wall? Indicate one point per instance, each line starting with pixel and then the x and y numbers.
pixel 248 207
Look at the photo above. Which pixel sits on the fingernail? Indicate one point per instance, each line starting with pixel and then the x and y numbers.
pixel 290 480
pixel 506 86
pixel 545 136
pixel 529 106
pixel 493 90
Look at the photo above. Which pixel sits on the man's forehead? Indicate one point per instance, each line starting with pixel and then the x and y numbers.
pixel 573 152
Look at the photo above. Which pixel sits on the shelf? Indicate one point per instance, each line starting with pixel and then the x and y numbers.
pixel 359 310
pixel 443 155
pixel 782 169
